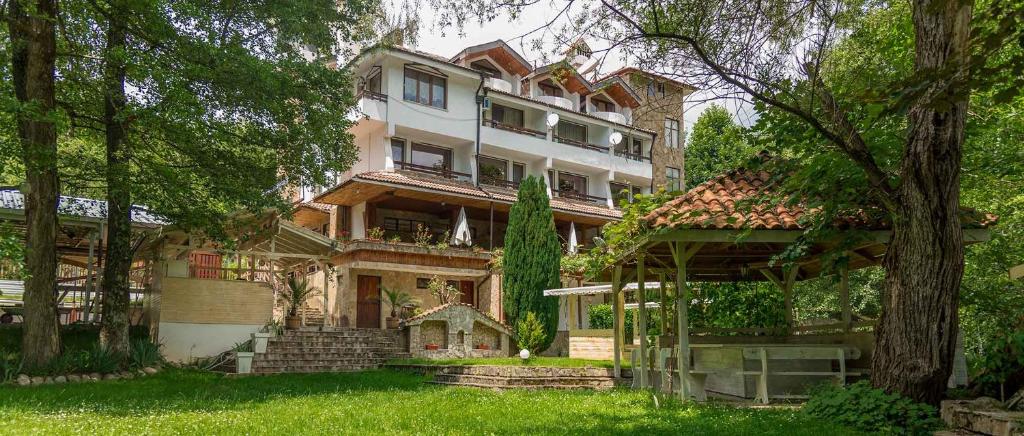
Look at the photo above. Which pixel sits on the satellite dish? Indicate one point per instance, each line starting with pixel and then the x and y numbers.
pixel 615 138
pixel 552 120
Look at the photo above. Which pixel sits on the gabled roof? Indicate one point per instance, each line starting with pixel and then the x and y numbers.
pixel 730 202
pixel 619 90
pixel 574 81
pixel 500 51
pixel 11 199
pixel 633 70
pixel 450 306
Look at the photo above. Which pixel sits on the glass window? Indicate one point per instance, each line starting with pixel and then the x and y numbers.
pixel 431 157
pixel 518 171
pixel 425 88
pixel 572 182
pixel 373 83
pixel 661 89
pixel 507 115
pixel 602 105
pixel 493 169
pixel 672 179
pixel 572 131
pixel 671 133
pixel 638 147
pixel 650 89
pixel 620 192
pixel 548 88
pixel 636 191
pixel 397 150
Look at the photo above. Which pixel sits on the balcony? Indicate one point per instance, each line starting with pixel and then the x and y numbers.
pixel 517 129
pixel 580 144
pixel 501 183
pixel 561 102
pixel 372 95
pixel 614 117
pixel 632 156
pixel 576 195
pixel 373 104
pixel 446 173
pixel 499 84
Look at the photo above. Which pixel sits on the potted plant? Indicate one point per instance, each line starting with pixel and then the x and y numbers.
pixel 432 347
pixel 261 338
pixel 243 357
pixel 293 297
pixel 396 299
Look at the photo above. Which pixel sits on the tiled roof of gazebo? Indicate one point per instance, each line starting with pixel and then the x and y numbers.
pixel 730 201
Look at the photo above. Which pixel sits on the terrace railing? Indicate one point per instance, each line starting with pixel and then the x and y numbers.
pixel 373 95
pixel 575 195
pixel 446 173
pixel 632 156
pixel 501 183
pixel 581 144
pixel 516 129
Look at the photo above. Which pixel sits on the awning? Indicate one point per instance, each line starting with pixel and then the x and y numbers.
pixel 596 289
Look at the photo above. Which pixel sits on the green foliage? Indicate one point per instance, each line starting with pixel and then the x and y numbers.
pixel 10 365
pixel 143 353
pixel 530 334
pixel 737 305
pixel 398 299
pixel 12 252
pixel 296 293
pixel 100 359
pixel 872 410
pixel 716 144
pixel 531 259
pixel 1002 365
pixel 619 236
pixel 423 236
pixel 600 316
pixel 575 266
pixel 74 337
pixel 442 291
pixel 242 347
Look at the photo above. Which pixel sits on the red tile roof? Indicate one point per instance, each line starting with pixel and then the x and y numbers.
pixel 730 201
pixel 436 309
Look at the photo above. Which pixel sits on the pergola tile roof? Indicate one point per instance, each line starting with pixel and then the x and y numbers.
pixel 730 202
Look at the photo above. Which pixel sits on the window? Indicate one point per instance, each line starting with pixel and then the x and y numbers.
pixel 422 282
pixel 650 89
pixel 548 88
pixel 620 192
pixel 671 133
pixel 373 82
pixel 661 90
pixel 572 183
pixel 493 169
pixel 638 147
pixel 602 105
pixel 672 179
pixel 507 115
pixel 485 67
pixel 572 131
pixel 424 88
pixel 431 157
pixel 397 150
pixel 402 225
pixel 518 171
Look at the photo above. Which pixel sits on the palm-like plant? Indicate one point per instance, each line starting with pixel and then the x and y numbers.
pixel 397 299
pixel 296 293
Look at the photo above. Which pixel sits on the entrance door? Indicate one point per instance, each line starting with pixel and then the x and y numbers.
pixel 468 296
pixel 368 302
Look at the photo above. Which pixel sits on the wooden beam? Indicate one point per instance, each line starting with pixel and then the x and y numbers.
pixel 618 317
pixel 682 320
pixel 641 296
pixel 844 298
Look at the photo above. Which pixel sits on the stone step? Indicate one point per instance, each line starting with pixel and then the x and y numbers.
pixel 316 362
pixel 508 382
pixel 323 356
pixel 490 386
pixel 313 369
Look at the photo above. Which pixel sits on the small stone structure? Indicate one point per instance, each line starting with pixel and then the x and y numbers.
pixel 982 416
pixel 458 330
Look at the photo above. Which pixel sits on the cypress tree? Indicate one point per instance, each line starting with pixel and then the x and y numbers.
pixel 532 257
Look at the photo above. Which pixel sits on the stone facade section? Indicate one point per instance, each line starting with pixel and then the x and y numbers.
pixel 651 115
pixel 458 330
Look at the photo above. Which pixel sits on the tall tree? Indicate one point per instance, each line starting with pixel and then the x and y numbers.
pixel 33 53
pixel 532 257
pixel 716 144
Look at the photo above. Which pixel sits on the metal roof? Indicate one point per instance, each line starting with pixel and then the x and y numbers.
pixel 13 200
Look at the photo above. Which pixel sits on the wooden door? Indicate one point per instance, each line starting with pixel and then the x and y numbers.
pixel 368 302
pixel 467 287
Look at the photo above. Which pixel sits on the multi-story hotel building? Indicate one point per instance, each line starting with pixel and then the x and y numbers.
pixel 439 136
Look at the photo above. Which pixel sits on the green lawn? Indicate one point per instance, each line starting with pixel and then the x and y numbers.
pixel 561 362
pixel 379 402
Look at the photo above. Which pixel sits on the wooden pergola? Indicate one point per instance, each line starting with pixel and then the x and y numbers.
pixel 712 234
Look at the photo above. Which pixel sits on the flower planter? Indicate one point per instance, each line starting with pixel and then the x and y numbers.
pixel 259 342
pixel 243 362
pixel 432 347
pixel 392 322
pixel 292 322
pixel 483 347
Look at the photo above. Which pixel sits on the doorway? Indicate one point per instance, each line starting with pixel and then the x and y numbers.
pixel 368 302
pixel 468 296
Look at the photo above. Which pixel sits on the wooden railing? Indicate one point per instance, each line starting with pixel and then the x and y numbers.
pixel 574 195
pixel 440 172
pixel 580 144
pixel 517 129
pixel 501 183
pixel 373 95
pixel 865 325
pixel 220 273
pixel 632 156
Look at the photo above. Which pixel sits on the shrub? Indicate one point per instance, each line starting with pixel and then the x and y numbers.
pixel 1002 365
pixel 872 410
pixel 101 359
pixel 10 365
pixel 144 353
pixel 601 318
pixel 530 334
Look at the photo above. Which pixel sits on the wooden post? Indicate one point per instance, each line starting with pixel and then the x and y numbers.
pixel 787 289
pixel 323 271
pixel 844 298
pixel 641 298
pixel 618 330
pixel 90 269
pixel 573 301
pixel 663 306
pixel 682 314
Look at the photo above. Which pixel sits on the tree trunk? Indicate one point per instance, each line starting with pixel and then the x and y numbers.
pixel 31 26
pixel 117 266
pixel 924 264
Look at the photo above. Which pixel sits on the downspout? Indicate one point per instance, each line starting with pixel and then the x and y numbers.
pixel 479 114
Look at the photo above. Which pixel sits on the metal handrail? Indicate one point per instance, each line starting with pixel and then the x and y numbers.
pixel 441 172
pixel 373 95
pixel 580 144
pixel 517 129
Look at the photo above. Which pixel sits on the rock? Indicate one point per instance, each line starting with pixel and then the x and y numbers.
pixel 141 373
pixel 1016 402
pixel 972 416
pixel 127 375
pixel 74 378
pixel 24 380
pixel 95 376
pixel 984 403
pixel 37 380
pixel 47 380
pixel 149 370
pixel 60 379
pixel 110 377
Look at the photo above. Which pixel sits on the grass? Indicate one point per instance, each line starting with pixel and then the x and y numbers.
pixel 560 362
pixel 376 402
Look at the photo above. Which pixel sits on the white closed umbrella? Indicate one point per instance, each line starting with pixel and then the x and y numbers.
pixel 572 238
pixel 461 235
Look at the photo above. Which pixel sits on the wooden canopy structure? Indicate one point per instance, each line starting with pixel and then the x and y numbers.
pixel 721 231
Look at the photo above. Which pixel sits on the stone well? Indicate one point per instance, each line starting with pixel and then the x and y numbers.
pixel 459 330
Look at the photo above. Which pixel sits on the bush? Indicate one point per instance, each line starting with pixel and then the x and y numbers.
pixel 601 318
pixel 144 353
pixel 100 359
pixel 872 410
pixel 530 334
pixel 1002 365
pixel 10 365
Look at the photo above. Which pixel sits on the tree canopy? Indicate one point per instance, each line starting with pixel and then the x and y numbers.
pixel 716 144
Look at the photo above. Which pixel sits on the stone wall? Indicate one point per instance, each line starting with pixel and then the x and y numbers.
pixel 483 334
pixel 651 116
pixel 458 329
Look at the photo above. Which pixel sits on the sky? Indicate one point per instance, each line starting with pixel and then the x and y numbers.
pixel 449 42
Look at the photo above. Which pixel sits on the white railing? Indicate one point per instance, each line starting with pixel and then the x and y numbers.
pixel 561 102
pixel 498 84
pixel 614 117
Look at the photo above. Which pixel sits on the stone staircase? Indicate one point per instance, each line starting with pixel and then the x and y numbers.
pixel 507 377
pixel 335 350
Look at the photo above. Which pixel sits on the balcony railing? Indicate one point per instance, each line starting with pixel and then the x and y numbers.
pixel 501 183
pixel 580 144
pixel 575 195
pixel 516 129
pixel 440 172
pixel 373 95
pixel 632 156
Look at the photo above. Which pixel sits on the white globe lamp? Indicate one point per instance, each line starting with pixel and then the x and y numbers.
pixel 524 354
